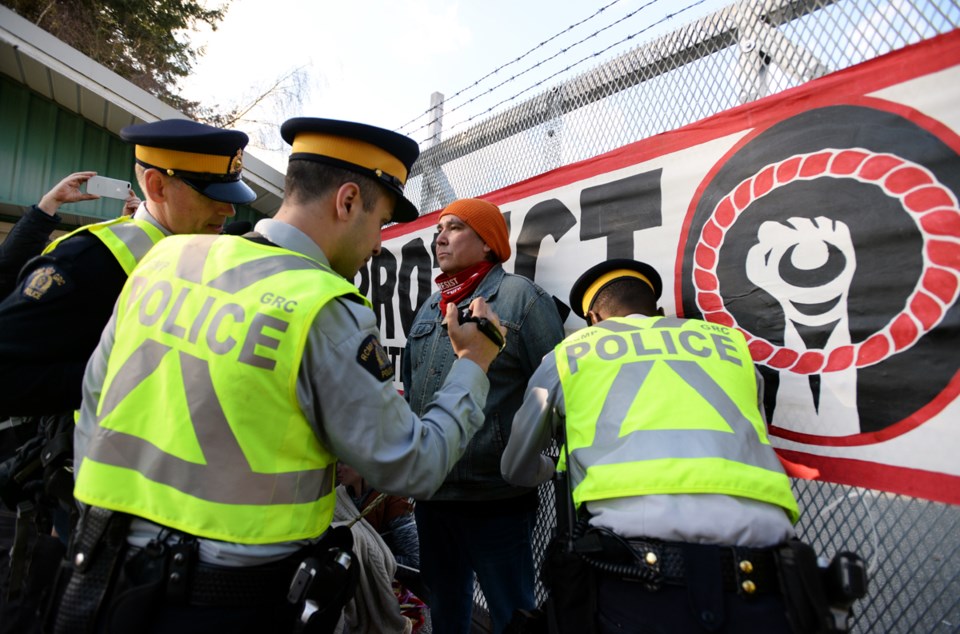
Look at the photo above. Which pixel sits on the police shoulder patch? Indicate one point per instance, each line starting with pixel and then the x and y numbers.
pixel 374 359
pixel 43 281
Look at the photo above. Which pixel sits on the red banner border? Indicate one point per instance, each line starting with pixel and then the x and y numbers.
pixel 929 485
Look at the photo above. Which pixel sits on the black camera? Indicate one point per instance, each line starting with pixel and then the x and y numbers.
pixel 484 325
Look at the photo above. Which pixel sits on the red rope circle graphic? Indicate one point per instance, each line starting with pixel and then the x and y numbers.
pixel 932 207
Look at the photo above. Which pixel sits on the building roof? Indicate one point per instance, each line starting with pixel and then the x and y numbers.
pixel 51 68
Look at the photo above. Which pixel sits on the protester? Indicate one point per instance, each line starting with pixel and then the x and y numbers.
pixel 477 523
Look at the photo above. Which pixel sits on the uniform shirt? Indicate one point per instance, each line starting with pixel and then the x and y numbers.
pixel 51 322
pixel 701 518
pixel 25 240
pixel 359 417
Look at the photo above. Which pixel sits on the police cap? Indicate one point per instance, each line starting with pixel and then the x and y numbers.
pixel 208 159
pixel 380 154
pixel 585 290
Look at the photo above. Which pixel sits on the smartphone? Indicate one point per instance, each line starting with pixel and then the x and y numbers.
pixel 108 187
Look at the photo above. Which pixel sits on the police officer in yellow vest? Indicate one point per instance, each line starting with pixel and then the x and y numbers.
pixel 233 374
pixel 190 175
pixel 667 458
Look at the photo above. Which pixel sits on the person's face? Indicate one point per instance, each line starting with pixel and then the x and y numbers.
pixel 362 239
pixel 185 210
pixel 458 246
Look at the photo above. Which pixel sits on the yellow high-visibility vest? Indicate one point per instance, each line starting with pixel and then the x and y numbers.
pixel 199 427
pixel 664 406
pixel 128 239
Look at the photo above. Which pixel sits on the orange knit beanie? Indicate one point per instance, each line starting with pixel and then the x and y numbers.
pixel 484 218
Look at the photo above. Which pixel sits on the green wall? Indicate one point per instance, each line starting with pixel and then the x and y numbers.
pixel 40 143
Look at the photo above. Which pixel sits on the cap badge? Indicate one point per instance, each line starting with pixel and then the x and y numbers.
pixel 236 164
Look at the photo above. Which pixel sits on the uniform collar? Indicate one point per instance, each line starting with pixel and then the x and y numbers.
pixel 142 213
pixel 290 238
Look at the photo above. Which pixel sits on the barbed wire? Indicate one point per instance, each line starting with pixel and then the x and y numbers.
pixel 561 52
pixel 591 56
pixel 510 63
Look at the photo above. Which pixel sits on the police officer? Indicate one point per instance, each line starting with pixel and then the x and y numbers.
pixel 190 174
pixel 30 234
pixel 680 495
pixel 233 374
pixel 26 239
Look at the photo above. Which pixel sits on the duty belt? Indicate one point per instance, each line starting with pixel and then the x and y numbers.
pixel 197 583
pixel 262 585
pixel 747 571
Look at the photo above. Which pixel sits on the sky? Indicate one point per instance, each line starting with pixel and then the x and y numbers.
pixel 379 61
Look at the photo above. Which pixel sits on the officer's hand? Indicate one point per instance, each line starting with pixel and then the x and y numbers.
pixel 468 342
pixel 131 203
pixel 66 191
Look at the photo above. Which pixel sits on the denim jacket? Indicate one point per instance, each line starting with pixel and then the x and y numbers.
pixel 533 328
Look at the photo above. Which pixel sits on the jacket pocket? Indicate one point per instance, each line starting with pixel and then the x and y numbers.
pixel 418 342
pixel 422 380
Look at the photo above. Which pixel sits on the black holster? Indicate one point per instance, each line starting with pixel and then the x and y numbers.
pixel 90 570
pixel 571 606
pixel 325 582
pixel 808 610
pixel 151 577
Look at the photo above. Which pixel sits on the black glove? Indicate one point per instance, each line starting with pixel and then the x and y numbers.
pixel 21 475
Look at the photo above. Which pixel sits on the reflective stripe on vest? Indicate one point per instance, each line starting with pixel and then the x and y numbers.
pixel 178 443
pixel 127 238
pixel 666 405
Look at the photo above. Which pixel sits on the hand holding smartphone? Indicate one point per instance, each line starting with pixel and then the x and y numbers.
pixel 108 187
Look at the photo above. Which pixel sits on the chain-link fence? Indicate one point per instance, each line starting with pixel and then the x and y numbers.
pixel 912 549
pixel 736 55
pixel 911 546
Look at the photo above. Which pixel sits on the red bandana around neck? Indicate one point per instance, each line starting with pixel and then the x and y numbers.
pixel 458 286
